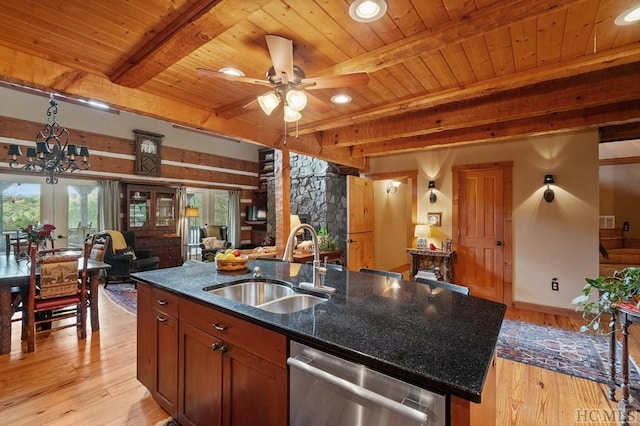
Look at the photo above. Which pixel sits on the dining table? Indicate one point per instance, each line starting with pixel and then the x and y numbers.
pixel 16 272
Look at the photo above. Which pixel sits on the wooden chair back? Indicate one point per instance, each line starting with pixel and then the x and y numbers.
pixel 54 288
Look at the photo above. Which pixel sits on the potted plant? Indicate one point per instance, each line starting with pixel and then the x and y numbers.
pixel 326 241
pixel 610 291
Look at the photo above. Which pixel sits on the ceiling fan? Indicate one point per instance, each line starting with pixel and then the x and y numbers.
pixel 288 83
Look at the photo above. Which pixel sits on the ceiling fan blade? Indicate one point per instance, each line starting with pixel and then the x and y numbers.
pixel 281 51
pixel 339 80
pixel 229 77
pixel 318 104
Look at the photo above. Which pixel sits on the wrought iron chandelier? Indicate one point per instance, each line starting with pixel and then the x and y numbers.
pixel 53 154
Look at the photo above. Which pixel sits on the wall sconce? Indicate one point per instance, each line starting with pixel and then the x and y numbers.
pixel 432 197
pixel 549 195
pixel 392 187
pixel 422 232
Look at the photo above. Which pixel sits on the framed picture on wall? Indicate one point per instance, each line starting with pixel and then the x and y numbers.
pixel 434 219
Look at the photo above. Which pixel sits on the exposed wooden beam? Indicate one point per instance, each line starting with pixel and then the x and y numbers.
pixel 557 96
pixel 616 161
pixel 565 121
pixel 595 62
pixel 198 25
pixel 620 132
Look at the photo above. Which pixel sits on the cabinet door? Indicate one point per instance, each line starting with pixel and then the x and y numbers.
pixel 255 390
pixel 165 209
pixel 146 340
pixel 166 389
pixel 139 209
pixel 200 382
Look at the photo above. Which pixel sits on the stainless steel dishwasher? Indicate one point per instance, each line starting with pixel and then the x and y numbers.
pixel 326 390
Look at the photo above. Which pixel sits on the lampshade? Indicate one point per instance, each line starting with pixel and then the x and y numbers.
pixel 549 179
pixel 192 212
pixel 294 220
pixel 291 115
pixel 268 102
pixel 296 100
pixel 422 231
pixel 432 184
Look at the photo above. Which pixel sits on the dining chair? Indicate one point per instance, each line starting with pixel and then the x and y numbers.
pixel 56 293
pixel 389 274
pixel 442 284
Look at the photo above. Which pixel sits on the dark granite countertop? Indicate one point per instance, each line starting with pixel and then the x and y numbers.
pixel 443 342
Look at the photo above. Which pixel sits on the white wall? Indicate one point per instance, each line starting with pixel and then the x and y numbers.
pixel 31 107
pixel 551 240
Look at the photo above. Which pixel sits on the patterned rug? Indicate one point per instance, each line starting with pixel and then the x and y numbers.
pixel 124 295
pixel 567 352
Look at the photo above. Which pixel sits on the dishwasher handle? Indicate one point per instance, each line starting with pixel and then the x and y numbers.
pixel 358 390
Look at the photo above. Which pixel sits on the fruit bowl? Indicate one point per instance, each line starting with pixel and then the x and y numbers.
pixel 235 264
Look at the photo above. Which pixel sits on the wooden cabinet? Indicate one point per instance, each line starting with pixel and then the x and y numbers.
pixel 166 247
pixel 150 212
pixel 157 360
pixel 227 371
pixel 150 209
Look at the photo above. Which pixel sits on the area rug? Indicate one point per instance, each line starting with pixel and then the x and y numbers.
pixel 568 352
pixel 124 295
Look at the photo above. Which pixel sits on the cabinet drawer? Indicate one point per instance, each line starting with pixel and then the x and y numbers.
pixel 265 343
pixel 165 301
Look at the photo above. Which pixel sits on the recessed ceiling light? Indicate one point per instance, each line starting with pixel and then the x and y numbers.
pixel 367 10
pixel 231 71
pixel 629 16
pixel 341 99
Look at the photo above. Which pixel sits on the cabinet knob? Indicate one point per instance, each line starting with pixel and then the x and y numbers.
pixel 219 327
pixel 224 348
pixel 215 346
pixel 162 302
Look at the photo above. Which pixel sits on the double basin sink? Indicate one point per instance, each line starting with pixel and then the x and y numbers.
pixel 269 295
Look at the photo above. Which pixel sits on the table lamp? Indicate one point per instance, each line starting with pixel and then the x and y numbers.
pixel 422 232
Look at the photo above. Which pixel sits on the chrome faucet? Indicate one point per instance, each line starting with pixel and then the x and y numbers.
pixel 318 270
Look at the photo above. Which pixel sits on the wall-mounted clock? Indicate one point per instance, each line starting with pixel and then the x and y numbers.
pixel 148 153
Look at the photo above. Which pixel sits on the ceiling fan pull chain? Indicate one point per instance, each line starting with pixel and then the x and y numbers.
pixel 285 133
pixel 297 135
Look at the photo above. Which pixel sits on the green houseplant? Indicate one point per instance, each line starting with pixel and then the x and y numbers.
pixel 326 241
pixel 610 291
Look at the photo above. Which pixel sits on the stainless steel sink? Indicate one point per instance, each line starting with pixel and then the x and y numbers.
pixel 293 303
pixel 253 293
pixel 272 296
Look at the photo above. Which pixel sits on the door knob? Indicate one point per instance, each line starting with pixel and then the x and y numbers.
pixel 350 241
pixel 498 243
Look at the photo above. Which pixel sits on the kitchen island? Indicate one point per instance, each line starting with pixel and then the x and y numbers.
pixel 440 341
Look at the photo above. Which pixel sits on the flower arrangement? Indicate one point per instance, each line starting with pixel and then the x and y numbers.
pixel 39 233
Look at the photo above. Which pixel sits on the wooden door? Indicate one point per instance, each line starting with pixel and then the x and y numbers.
pixel 359 223
pixel 479 223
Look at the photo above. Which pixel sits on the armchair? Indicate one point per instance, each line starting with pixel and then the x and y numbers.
pixel 123 256
pixel 212 239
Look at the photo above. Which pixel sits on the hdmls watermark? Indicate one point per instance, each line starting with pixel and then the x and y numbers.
pixel 600 416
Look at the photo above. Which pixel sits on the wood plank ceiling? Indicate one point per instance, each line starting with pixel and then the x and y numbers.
pixel 441 71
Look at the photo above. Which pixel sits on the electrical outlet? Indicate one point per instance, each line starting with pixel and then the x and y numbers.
pixel 554 284
pixel 625 226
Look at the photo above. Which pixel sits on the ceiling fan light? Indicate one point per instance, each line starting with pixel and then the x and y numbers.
pixel 291 115
pixel 268 102
pixel 296 100
pixel 629 16
pixel 367 10
pixel 341 99
pixel 231 71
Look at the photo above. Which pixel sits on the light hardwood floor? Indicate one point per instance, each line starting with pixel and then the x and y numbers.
pixel 93 382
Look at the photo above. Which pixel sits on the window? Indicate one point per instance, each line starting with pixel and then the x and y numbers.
pixel 83 213
pixel 220 208
pixel 20 205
